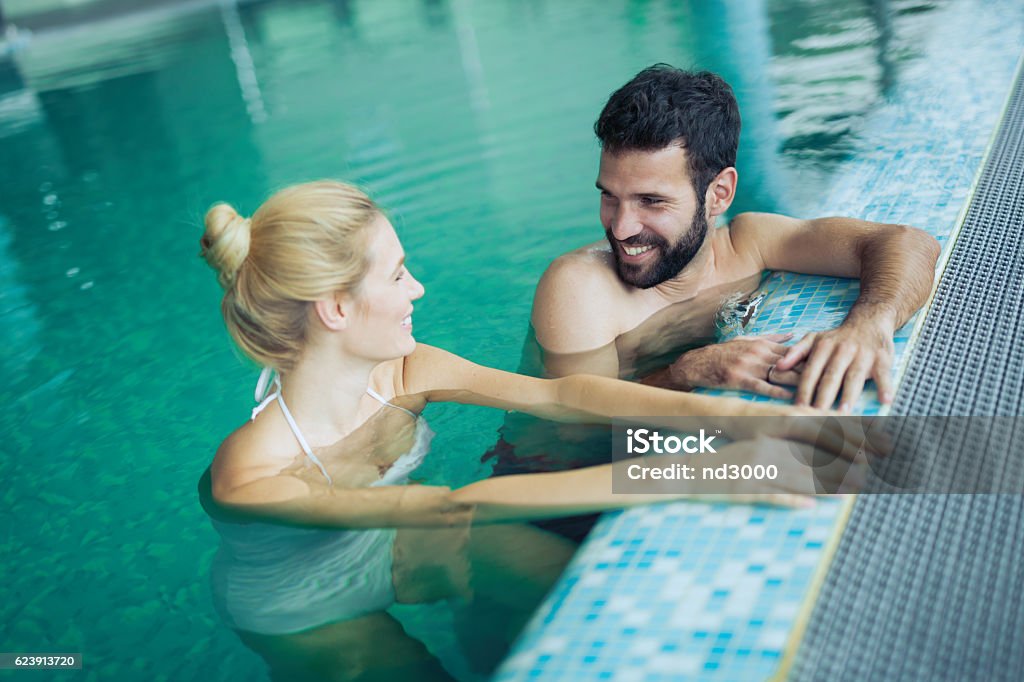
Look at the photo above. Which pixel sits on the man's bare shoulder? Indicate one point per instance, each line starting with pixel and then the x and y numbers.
pixel 592 265
pixel 575 306
pixel 751 236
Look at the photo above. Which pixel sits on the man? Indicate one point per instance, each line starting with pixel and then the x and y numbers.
pixel 644 304
pixel 669 141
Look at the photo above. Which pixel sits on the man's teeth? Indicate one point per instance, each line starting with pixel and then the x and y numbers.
pixel 407 321
pixel 636 250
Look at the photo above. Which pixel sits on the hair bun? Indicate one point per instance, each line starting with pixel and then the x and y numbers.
pixel 225 244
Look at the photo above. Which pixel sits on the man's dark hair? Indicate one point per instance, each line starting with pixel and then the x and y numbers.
pixel 663 105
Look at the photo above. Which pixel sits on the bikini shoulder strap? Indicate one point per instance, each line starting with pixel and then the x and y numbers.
pixel 381 399
pixel 261 389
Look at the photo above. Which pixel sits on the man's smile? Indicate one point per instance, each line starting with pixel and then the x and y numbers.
pixel 635 254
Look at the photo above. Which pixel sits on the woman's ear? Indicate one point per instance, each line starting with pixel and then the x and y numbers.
pixel 334 311
pixel 721 192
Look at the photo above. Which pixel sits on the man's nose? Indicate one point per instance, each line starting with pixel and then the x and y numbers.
pixel 625 223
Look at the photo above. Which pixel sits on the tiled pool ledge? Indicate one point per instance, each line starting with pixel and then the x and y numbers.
pixel 932 584
pixel 720 592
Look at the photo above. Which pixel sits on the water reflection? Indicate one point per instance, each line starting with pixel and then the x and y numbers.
pixel 881 13
pixel 18 316
pixel 248 82
pixel 741 52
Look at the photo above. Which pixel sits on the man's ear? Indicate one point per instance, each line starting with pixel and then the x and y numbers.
pixel 721 191
pixel 334 311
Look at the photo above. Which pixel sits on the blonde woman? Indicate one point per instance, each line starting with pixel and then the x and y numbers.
pixel 321 532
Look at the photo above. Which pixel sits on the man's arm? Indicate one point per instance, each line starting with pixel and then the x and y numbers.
pixel 742 363
pixel 572 318
pixel 896 266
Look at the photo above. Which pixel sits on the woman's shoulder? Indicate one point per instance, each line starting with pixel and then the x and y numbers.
pixel 393 380
pixel 387 378
pixel 254 451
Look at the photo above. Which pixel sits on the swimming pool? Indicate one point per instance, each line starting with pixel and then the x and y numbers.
pixel 470 122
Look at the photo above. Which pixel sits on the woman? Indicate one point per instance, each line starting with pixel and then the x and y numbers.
pixel 320 532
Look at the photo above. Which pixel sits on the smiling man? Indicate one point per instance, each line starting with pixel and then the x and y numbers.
pixel 669 140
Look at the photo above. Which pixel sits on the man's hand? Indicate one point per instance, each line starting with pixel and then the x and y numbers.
pixel 748 363
pixel 843 357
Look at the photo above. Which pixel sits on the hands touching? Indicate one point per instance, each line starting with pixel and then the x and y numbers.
pixel 814 451
pixel 842 358
pixel 823 366
pixel 748 363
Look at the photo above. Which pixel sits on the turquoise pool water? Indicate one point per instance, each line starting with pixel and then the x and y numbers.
pixel 470 121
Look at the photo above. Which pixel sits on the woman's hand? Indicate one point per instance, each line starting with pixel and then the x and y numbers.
pixel 762 469
pixel 834 434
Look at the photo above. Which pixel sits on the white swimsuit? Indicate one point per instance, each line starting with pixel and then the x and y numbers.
pixel 275 579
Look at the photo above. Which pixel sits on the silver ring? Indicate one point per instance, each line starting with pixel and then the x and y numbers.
pixel 771 368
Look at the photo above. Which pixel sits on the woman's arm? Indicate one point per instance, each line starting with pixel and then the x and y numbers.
pixel 436 375
pixel 440 376
pixel 287 500
pixel 526 497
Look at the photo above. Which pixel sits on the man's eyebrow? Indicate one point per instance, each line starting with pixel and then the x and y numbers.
pixel 398 267
pixel 653 195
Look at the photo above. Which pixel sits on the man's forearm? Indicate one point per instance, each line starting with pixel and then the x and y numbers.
pixel 665 378
pixel 897 269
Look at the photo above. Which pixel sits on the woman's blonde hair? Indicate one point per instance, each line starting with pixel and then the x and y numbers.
pixel 305 242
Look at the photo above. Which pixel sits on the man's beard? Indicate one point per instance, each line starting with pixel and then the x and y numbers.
pixel 672 259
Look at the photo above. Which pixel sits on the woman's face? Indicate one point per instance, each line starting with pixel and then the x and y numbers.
pixel 382 325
